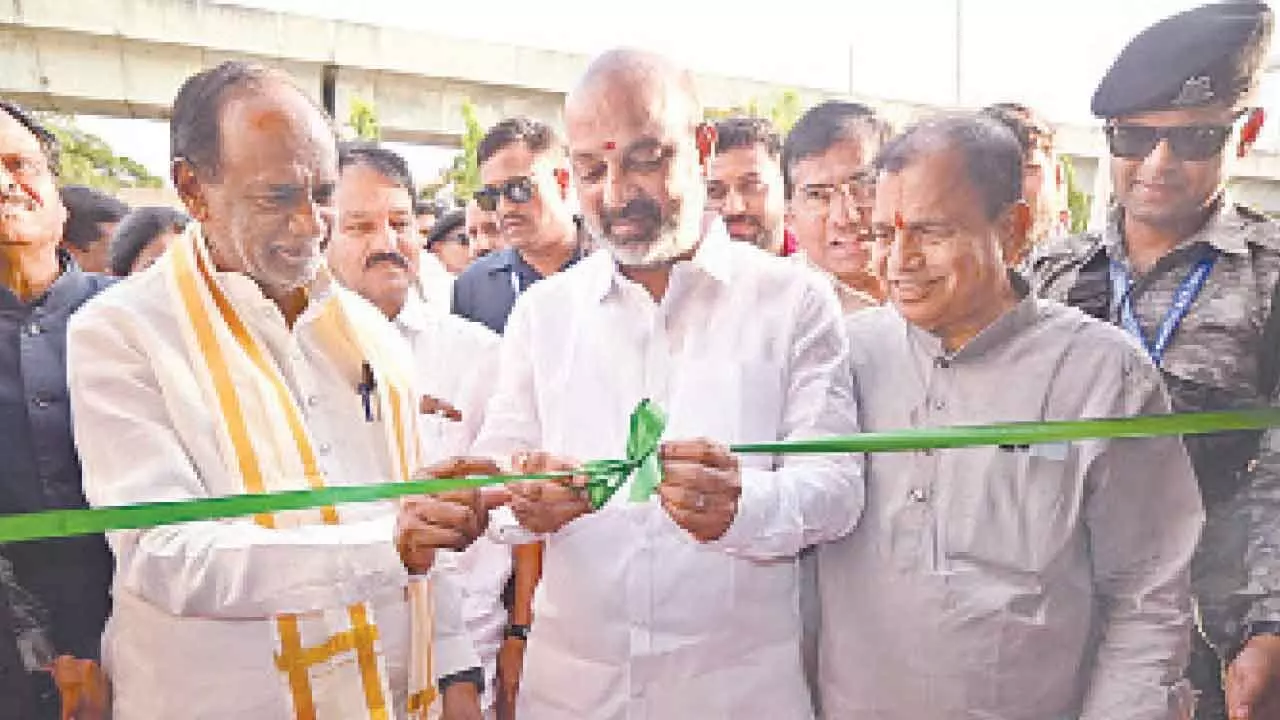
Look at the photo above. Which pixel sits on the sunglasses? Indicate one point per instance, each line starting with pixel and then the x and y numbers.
pixel 517 190
pixel 1186 142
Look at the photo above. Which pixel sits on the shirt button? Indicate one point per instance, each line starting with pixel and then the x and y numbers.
pixel 324 448
pixel 34 329
pixel 42 401
pixel 917 495
pixel 312 401
pixel 939 404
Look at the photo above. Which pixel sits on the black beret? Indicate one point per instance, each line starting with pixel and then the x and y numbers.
pixel 1204 56
pixel 446 226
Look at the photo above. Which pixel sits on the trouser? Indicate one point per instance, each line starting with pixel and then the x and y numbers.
pixel 1205 674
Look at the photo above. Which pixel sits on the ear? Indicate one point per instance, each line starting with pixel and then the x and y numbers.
pixel 706 137
pixel 189 188
pixel 1015 232
pixel 1250 131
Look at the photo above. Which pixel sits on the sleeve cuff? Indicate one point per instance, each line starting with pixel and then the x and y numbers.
pixel 758 498
pixel 504 529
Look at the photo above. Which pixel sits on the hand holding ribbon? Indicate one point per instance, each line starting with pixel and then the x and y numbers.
pixel 701 484
pixel 545 506
pixel 451 520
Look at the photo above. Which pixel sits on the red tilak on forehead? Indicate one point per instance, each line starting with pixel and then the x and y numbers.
pixel 898 222
pixel 610 145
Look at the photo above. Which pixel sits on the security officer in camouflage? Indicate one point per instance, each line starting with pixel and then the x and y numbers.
pixel 1193 277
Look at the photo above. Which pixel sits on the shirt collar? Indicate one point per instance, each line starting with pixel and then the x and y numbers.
pixel 1225 230
pixel 67 289
pixel 412 318
pixel 712 259
pixel 999 332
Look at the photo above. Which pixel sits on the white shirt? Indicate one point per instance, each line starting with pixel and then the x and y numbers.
pixel 633 617
pixel 435 282
pixel 456 360
pixel 192 633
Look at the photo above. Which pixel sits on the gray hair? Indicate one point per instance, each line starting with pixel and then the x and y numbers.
pixel 991 153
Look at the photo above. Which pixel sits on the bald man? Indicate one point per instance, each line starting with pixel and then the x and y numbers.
pixel 682 605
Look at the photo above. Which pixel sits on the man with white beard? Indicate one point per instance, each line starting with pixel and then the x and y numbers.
pixel 683 606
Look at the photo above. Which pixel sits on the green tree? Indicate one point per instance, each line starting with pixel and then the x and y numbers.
pixel 1077 200
pixel 363 119
pixel 464 175
pixel 783 111
pixel 87 159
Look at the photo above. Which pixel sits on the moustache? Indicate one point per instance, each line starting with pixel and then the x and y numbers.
pixel 394 258
pixel 743 219
pixel 639 209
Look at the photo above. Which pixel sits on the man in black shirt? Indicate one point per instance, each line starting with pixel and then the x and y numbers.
pixel 68 580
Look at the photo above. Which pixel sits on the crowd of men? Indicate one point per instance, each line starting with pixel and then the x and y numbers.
pixel 309 322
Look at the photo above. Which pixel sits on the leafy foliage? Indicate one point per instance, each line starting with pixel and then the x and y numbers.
pixel 464 175
pixel 363 120
pixel 88 160
pixel 783 111
pixel 1077 200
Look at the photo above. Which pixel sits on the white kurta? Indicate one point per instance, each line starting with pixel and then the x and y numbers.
pixel 633 617
pixel 456 360
pixel 192 634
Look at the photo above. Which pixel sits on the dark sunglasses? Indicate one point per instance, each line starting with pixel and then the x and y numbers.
pixel 517 190
pixel 1186 142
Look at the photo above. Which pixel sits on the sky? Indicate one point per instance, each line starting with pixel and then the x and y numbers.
pixel 1049 55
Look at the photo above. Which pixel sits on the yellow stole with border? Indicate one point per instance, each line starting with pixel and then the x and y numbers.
pixel 330 659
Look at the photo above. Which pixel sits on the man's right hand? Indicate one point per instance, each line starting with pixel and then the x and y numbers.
pixel 451 520
pixel 545 506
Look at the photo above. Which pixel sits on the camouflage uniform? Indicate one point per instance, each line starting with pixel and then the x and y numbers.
pixel 1214 362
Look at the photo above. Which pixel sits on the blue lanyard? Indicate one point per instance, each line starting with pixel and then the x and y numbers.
pixel 1186 295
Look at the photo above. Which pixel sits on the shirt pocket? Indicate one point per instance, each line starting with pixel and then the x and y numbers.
pixel 729 401
pixel 1015 511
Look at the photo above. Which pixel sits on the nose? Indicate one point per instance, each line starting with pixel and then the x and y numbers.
pixel 615 188
pixel 1160 159
pixel 385 240
pixel 903 252
pixel 8 183
pixel 734 204
pixel 843 209
pixel 311 219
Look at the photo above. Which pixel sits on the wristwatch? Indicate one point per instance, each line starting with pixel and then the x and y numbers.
pixel 520 632
pixel 474 675
pixel 1253 630
pixel 1262 627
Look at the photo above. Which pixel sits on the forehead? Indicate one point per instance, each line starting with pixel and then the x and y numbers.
pixel 514 160
pixel 933 186
pixel 273 129
pixel 361 187
pixel 838 162
pixel 1181 116
pixel 621 113
pixel 743 160
pixel 16 138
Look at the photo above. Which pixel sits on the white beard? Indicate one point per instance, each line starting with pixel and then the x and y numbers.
pixel 663 251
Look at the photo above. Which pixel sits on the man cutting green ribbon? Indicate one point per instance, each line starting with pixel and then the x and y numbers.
pixel 682 606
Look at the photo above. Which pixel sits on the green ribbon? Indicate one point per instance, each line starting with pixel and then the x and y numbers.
pixel 606 477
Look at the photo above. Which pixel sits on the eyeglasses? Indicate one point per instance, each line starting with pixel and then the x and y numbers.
pixel 517 190
pixel 859 189
pixel 1186 142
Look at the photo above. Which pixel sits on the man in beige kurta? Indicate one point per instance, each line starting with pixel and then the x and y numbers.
pixel 1010 582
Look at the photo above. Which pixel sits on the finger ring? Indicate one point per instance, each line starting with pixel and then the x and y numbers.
pixel 700 502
